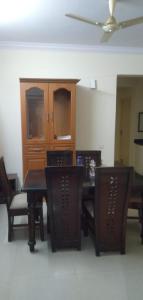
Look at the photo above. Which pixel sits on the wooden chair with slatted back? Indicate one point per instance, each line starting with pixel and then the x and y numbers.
pixel 135 207
pixel 135 210
pixel 60 158
pixel 17 204
pixel 106 216
pixel 64 188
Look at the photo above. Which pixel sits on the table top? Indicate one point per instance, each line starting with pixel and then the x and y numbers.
pixel 35 181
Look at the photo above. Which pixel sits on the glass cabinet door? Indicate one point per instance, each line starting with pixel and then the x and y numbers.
pixel 35 113
pixel 62 112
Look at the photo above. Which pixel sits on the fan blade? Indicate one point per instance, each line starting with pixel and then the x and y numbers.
pixel 106 36
pixel 131 22
pixel 82 19
pixel 112 4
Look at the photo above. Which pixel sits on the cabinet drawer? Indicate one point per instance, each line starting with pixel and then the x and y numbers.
pixel 62 147
pixel 34 150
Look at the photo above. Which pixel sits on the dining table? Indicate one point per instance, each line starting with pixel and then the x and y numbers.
pixel 35 185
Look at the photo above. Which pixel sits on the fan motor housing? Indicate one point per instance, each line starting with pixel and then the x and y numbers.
pixel 110 25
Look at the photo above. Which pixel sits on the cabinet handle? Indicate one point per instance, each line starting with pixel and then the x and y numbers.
pixel 52 117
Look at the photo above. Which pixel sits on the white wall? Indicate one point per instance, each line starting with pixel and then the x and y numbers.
pixel 95 108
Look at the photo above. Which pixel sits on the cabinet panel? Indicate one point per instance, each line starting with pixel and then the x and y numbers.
pixel 33 163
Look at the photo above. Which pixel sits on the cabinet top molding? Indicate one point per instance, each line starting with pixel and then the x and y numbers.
pixel 48 80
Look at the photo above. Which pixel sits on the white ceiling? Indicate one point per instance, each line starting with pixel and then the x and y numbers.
pixel 48 24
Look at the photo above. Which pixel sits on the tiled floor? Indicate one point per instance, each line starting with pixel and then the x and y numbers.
pixel 68 274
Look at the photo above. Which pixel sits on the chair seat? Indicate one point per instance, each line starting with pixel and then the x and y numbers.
pixel 19 201
pixel 133 213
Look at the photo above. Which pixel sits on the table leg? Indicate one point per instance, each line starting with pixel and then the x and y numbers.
pixel 31 220
pixel 141 222
pixel 141 218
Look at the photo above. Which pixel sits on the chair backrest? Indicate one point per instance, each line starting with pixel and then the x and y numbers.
pixel 84 158
pixel 112 190
pixel 64 186
pixel 60 158
pixel 6 187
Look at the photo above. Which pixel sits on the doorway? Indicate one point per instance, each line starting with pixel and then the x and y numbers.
pixel 128 105
pixel 123 130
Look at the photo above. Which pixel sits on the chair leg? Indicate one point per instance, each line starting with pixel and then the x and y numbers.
pixel 97 251
pixel 53 246
pixel 141 222
pixel 96 245
pixel 48 220
pixel 122 251
pixel 79 246
pixel 48 224
pixel 41 224
pixel 123 245
pixel 10 229
pixel 84 225
pixel 141 235
pixel 52 235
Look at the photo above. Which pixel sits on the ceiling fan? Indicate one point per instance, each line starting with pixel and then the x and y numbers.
pixel 110 25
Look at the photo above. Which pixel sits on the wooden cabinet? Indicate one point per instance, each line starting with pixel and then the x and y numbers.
pixel 48 118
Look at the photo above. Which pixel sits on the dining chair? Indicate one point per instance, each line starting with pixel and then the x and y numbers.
pixel 135 211
pixel 17 205
pixel 64 189
pixel 60 158
pixel 106 215
pixel 135 205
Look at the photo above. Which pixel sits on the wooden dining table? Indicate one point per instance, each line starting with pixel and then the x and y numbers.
pixel 35 184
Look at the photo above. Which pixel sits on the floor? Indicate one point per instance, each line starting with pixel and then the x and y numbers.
pixel 66 274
